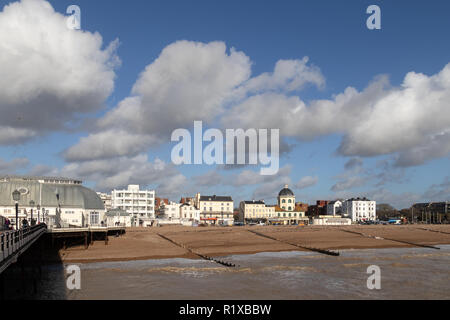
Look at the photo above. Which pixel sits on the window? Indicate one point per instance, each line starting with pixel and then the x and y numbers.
pixel 284 201
pixel 94 218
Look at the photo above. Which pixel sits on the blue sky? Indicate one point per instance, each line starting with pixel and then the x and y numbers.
pixel 333 34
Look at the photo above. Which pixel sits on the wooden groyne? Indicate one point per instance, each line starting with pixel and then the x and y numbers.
pixel 390 239
pixel 431 230
pixel 181 245
pixel 323 251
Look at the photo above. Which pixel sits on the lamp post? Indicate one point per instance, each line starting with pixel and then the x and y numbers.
pixel 38 207
pixel 32 203
pixel 16 198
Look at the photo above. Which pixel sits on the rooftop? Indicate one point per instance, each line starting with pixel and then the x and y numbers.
pixel 215 198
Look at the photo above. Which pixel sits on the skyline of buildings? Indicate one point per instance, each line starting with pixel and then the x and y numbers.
pixel 66 202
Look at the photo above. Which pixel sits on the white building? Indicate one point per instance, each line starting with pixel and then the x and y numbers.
pixel 334 208
pixel 360 209
pixel 106 198
pixel 170 211
pixel 255 211
pixel 139 203
pixel 331 221
pixel 215 209
pixel 189 214
pixel 58 202
pixel 118 218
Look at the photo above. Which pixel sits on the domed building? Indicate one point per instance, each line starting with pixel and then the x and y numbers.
pixel 58 202
pixel 286 199
pixel 287 212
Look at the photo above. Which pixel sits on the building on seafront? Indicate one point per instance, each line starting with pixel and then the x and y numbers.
pixel 170 213
pixel 318 209
pixel 215 210
pixel 359 209
pixel 189 214
pixel 139 203
pixel 431 212
pixel 107 201
pixel 287 211
pixel 334 208
pixel 118 218
pixel 255 211
pixel 58 202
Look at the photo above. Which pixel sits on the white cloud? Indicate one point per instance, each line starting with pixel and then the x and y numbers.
pixel 120 171
pixel 350 183
pixel 288 76
pixel 12 136
pixel 108 144
pixel 439 192
pixel 188 81
pixel 306 182
pixel 50 74
pixel 195 81
pixel 379 120
pixel 11 167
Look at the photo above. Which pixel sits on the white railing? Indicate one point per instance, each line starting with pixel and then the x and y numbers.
pixel 13 243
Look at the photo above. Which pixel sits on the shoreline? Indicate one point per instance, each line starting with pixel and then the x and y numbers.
pixel 146 244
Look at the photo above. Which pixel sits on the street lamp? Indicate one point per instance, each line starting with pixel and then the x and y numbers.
pixel 38 207
pixel 32 203
pixel 16 198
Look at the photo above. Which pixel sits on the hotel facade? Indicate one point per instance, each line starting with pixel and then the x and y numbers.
pixel 255 211
pixel 139 203
pixel 215 210
pixel 360 209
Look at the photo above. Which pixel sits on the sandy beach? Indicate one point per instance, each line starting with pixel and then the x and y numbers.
pixel 143 244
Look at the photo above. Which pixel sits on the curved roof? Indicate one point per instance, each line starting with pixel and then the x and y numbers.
pixel 286 192
pixel 70 195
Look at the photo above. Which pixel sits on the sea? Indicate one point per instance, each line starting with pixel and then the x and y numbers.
pixel 406 273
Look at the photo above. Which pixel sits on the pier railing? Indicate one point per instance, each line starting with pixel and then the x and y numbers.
pixel 14 243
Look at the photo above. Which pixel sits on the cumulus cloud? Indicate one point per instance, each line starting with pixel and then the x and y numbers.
pixel 437 146
pixel 188 81
pixel 306 182
pixel 350 183
pixel 121 171
pixel 353 163
pixel 194 81
pixel 108 144
pixel 439 192
pixel 379 120
pixel 11 167
pixel 50 75
pixel 288 76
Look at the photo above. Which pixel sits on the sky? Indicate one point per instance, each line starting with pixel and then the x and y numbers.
pixel 360 112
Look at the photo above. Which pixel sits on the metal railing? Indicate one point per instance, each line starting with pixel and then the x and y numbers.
pixel 14 242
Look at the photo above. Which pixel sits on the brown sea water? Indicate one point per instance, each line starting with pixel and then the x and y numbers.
pixel 412 273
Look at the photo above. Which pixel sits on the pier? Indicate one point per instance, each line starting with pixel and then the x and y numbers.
pixel 88 234
pixel 15 243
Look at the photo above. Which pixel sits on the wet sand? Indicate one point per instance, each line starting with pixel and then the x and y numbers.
pixel 144 244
